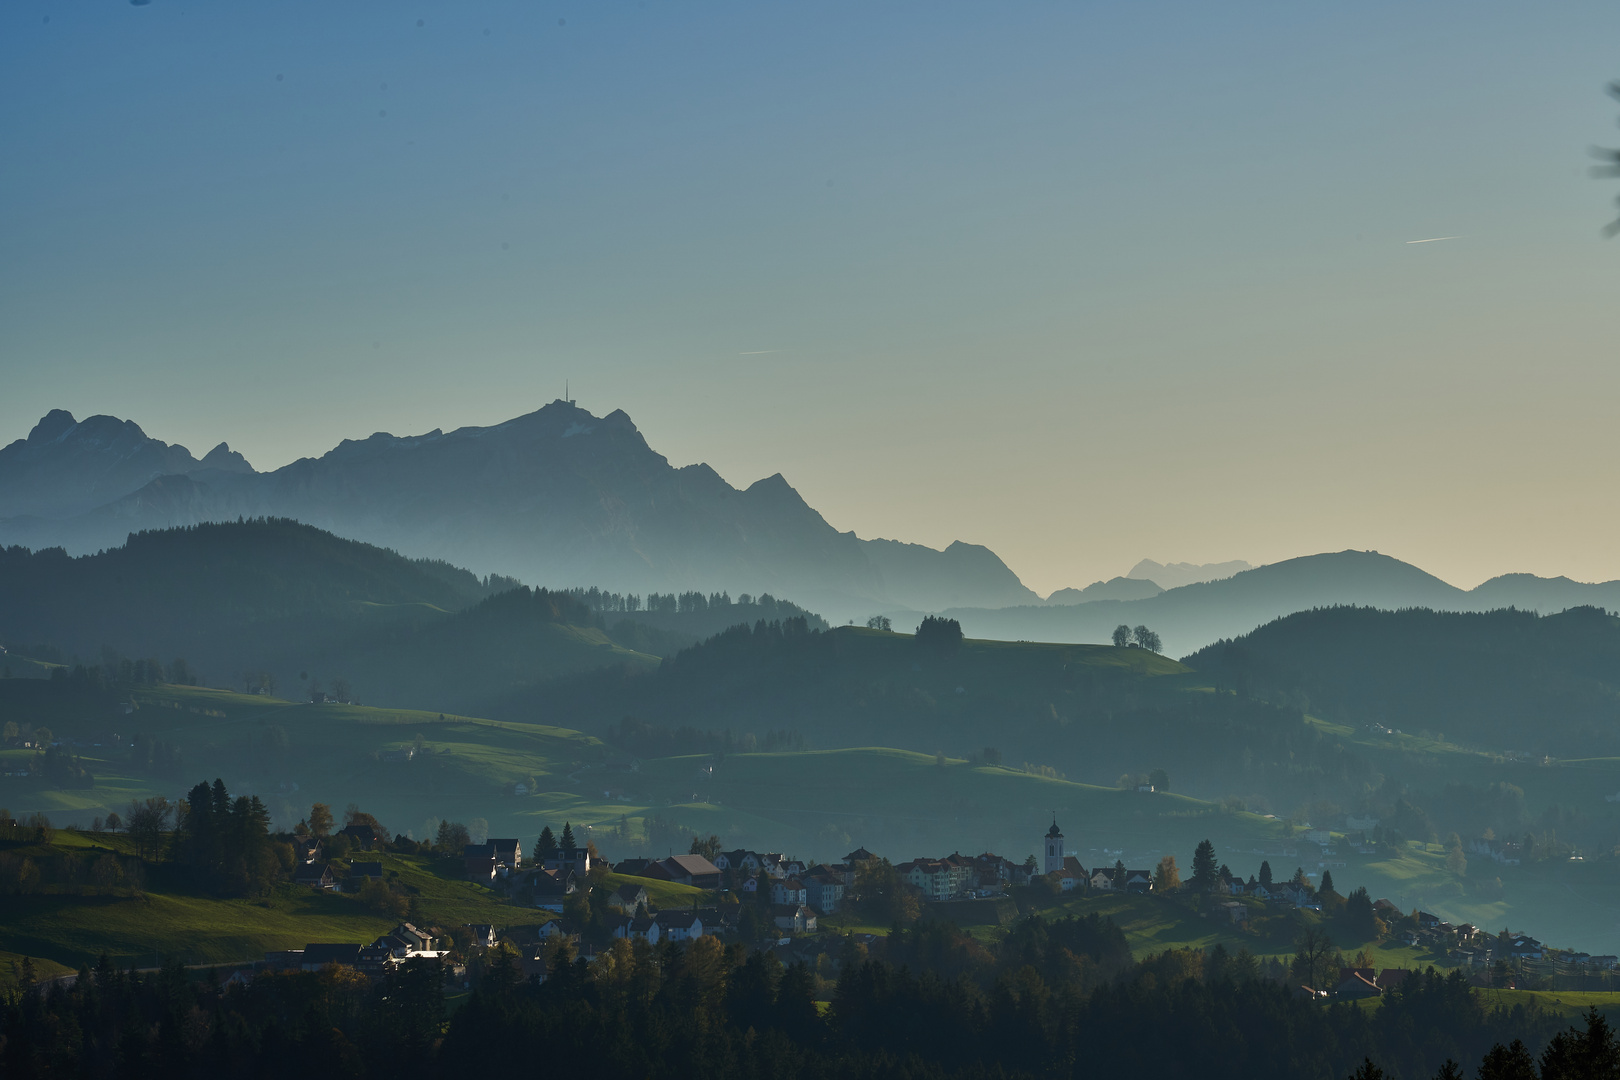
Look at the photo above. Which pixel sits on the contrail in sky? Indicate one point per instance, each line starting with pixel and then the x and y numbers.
pixel 1432 239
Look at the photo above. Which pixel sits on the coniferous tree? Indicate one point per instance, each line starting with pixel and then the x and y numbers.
pixel 568 836
pixel 546 847
pixel 1511 1062
pixel 1203 865
pixel 1592 1054
pixel 1265 872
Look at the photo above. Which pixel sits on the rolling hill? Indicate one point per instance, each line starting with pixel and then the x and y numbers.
pixel 1192 616
pixel 813 803
pixel 1086 711
pixel 1507 680
pixel 240 601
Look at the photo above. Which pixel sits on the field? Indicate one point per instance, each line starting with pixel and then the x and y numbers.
pixel 169 921
pixel 1153 924
pixel 1568 1003
pixel 816 804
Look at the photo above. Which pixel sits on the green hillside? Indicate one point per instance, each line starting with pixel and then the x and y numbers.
pixel 279 603
pixel 168 920
pixel 290 754
pixel 1090 712
pixel 817 804
pixel 1499 680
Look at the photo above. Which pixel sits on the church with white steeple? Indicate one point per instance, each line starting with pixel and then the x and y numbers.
pixel 1054 847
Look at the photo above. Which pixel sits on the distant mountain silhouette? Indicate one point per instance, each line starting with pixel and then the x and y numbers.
pixel 1175 575
pixel 65 467
pixel 558 496
pixel 1119 588
pixel 1195 615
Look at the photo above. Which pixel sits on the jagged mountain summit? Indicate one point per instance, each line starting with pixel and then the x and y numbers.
pixel 557 497
pixel 1174 575
pixel 68 467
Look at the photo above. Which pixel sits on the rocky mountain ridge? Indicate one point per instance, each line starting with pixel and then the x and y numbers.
pixel 557 496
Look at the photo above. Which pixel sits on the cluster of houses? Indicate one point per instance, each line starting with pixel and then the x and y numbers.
pixel 1360 982
pixel 311 869
pixel 1471 946
pixel 404 942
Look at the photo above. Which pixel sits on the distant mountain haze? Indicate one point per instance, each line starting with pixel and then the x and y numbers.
pixel 1119 588
pixel 1195 615
pixel 65 467
pixel 558 496
pixel 1175 575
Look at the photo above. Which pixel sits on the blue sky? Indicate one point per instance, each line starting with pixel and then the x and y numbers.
pixel 1086 283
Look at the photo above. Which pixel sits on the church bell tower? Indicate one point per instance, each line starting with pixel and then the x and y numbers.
pixel 1054 847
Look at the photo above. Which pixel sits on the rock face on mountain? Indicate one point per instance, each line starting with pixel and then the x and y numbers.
pixel 555 497
pixel 66 467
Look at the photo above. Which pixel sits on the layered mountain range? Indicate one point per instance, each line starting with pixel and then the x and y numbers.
pixel 1195 615
pixel 558 496
pixel 561 497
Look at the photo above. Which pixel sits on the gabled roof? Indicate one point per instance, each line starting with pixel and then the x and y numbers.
pixel 322 953
pixel 693 865
pixel 633 867
pixel 1357 983
pixel 676 920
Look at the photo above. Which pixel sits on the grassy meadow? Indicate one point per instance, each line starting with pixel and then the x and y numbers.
pixel 817 804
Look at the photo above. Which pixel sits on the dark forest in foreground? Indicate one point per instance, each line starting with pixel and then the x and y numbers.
pixel 1052 999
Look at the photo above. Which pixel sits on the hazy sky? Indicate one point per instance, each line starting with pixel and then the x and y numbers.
pixel 1085 282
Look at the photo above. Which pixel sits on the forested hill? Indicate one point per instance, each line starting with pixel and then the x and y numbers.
pixel 1085 711
pixel 1504 680
pixel 273 601
pixel 184 588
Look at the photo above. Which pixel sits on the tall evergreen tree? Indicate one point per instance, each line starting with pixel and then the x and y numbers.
pixel 568 836
pixel 546 846
pixel 1203 865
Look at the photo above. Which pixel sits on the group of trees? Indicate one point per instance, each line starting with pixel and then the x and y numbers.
pixel 1141 637
pixel 684 603
pixel 939 635
pixel 227 842
pixel 156 755
pixel 549 844
pixel 116 671
pixel 1045 993
pixel 924 1003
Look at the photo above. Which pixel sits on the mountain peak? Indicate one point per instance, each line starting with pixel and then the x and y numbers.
pixel 223 458
pixel 53 425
